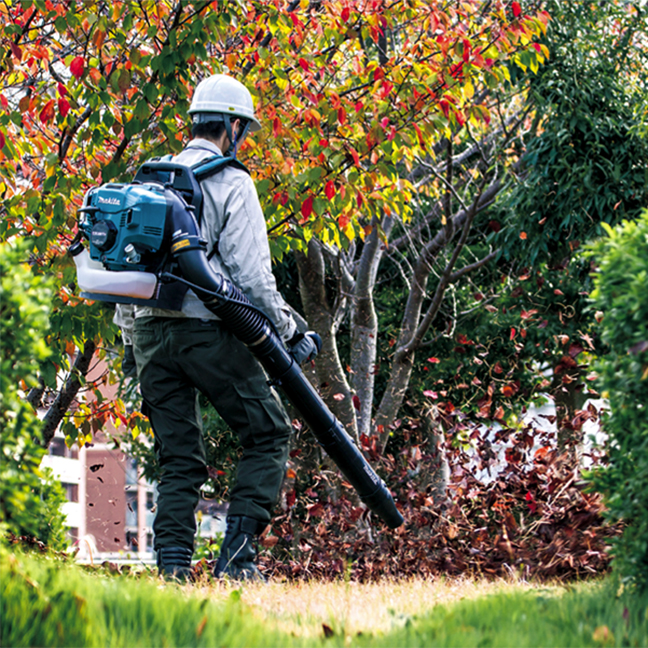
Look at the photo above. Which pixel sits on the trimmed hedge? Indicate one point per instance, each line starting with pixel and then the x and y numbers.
pixel 621 294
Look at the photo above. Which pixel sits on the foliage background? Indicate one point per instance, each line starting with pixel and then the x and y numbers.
pixel 30 499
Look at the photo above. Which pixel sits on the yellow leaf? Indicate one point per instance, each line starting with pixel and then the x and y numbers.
pixel 603 634
pixel 469 89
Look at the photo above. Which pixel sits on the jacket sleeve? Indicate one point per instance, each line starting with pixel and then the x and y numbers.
pixel 243 249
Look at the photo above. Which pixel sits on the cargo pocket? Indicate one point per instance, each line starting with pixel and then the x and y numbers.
pixel 263 420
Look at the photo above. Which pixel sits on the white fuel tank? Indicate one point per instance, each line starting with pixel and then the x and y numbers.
pixel 92 277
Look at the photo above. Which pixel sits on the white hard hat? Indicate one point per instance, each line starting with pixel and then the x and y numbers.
pixel 221 94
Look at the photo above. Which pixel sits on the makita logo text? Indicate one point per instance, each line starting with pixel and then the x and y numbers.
pixel 110 201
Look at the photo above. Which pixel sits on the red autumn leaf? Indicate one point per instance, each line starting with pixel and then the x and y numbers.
pixel 523 235
pixel 47 113
pixel 268 542
pixel 95 75
pixel 356 402
pixel 290 473
pixel 2 140
pixel 512 334
pixel 63 106
pixel 329 190
pixel 16 51
pixel 575 349
pixel 517 10
pixel 430 394
pixel 342 116
pixel 531 502
pixel 307 208
pixel 345 14
pixel 433 360
pixel 62 90
pixel 525 315
pixel 304 64
pixel 509 390
pixel 466 49
pixel 77 66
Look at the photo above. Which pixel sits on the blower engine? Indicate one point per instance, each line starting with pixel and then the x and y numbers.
pixel 144 234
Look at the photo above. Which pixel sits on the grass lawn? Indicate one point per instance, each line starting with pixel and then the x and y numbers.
pixel 47 603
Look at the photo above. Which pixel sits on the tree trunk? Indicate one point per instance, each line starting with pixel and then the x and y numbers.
pixel 364 326
pixel 333 385
pixel 403 361
pixel 436 471
pixel 569 398
pixel 68 392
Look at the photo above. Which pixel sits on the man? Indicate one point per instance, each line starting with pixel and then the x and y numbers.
pixel 178 352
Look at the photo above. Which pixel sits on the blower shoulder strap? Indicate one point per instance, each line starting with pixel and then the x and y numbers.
pixel 213 165
pixel 206 169
pixel 186 179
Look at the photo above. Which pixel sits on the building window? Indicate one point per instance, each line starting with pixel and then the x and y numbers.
pixel 71 492
pixel 131 508
pixel 57 447
pixel 131 541
pixel 131 472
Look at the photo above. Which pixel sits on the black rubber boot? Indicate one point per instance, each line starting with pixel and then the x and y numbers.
pixel 238 554
pixel 174 563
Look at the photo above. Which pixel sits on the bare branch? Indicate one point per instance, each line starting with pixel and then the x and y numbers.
pixel 433 309
pixel 473 266
pixel 68 392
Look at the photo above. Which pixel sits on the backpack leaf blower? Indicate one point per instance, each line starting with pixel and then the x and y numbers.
pixel 145 234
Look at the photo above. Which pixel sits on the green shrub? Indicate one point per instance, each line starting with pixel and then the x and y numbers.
pixel 29 499
pixel 621 293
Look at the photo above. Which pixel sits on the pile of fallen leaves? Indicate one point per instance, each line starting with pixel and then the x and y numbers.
pixel 514 506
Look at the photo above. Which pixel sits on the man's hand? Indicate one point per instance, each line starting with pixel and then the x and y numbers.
pixel 129 368
pixel 304 346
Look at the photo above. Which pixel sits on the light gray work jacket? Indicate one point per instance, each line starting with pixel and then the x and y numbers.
pixel 233 224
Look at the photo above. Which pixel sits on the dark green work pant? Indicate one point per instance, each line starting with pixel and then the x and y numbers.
pixel 175 358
